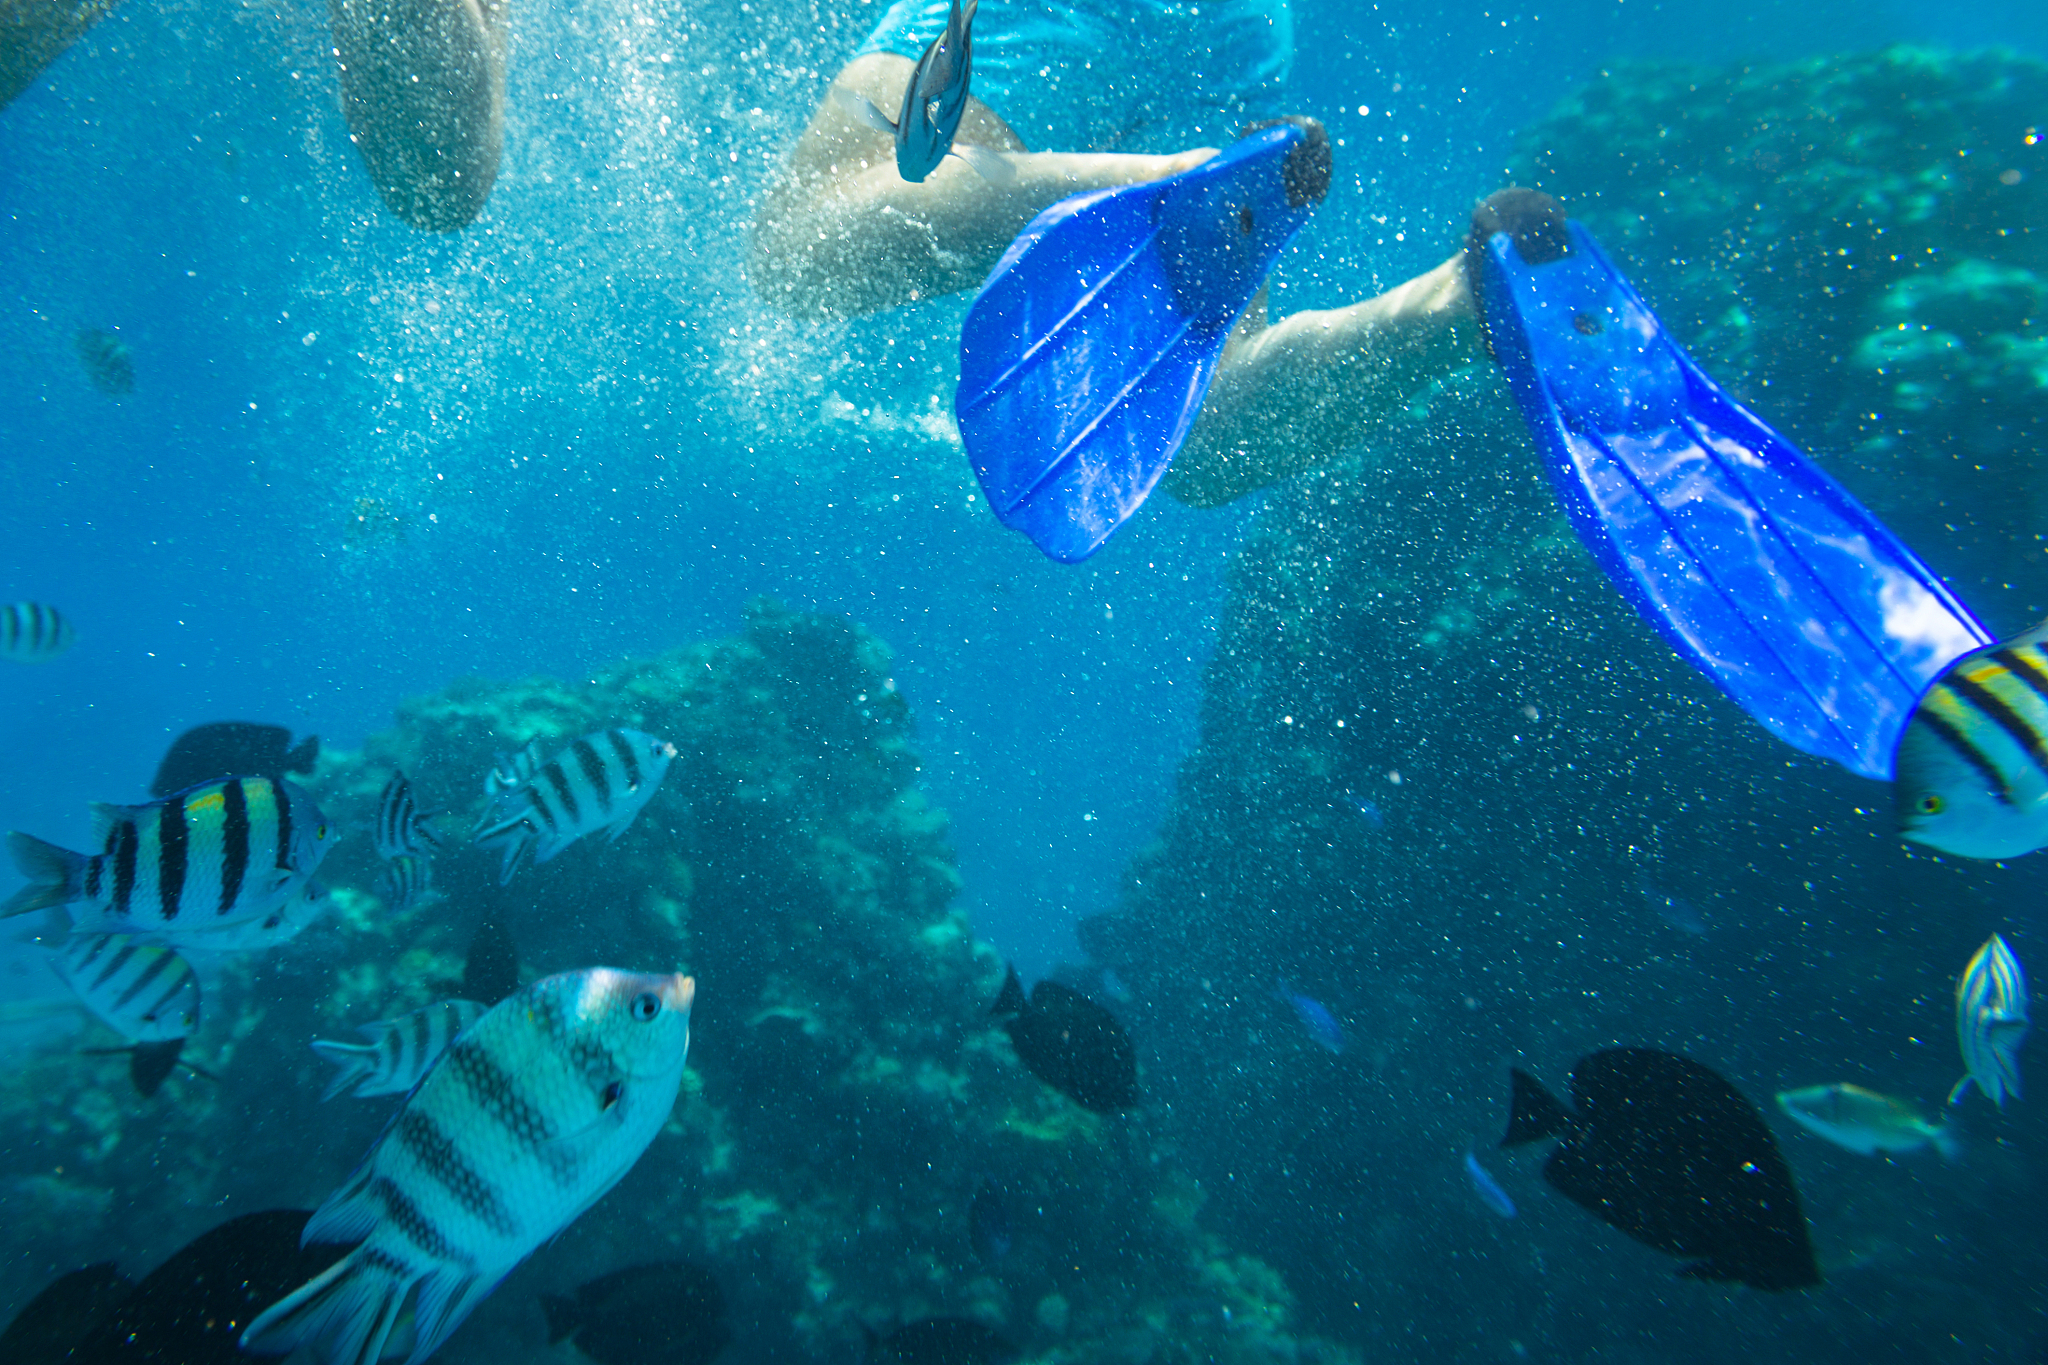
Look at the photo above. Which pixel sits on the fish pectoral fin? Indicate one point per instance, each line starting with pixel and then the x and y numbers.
pixel 1962 1085
pixel 863 109
pixel 620 826
pixel 986 162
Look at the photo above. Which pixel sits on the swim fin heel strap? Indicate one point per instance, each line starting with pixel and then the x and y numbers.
pixel 1759 569
pixel 1085 357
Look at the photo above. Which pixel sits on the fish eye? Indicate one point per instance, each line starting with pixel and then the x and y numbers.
pixel 645 1006
pixel 614 1092
pixel 320 832
pixel 1931 804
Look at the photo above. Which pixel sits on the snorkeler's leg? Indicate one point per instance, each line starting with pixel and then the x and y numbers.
pixel 423 88
pixel 840 233
pixel 1291 396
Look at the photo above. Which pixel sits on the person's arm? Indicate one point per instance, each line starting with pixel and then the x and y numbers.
pixel 840 233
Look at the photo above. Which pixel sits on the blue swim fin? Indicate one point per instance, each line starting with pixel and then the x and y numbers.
pixel 1085 357
pixel 1757 567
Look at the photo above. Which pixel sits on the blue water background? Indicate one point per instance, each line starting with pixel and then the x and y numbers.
pixel 599 443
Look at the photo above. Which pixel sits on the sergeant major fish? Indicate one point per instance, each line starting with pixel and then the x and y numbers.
pixel 401 830
pixel 513 770
pixel 1864 1121
pixel 31 633
pixel 193 866
pixel 399 1051
pixel 1991 1022
pixel 409 883
pixel 530 1116
pixel 600 782
pixel 933 103
pixel 144 992
pixel 1971 773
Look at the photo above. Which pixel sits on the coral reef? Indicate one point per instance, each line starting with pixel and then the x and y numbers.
pixel 1447 781
pixel 1855 242
pixel 848 1091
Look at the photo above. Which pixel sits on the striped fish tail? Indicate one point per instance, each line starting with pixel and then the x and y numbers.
pixel 514 834
pixel 345 1314
pixel 56 876
pixel 358 1063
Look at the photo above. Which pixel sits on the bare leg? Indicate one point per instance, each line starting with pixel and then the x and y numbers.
pixel 1291 396
pixel 840 233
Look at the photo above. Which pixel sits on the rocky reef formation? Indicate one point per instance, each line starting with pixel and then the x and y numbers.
pixel 1857 242
pixel 847 1096
pixel 1449 785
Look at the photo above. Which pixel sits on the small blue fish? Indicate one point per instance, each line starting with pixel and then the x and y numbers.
pixel 1489 1189
pixel 933 102
pixel 1320 1023
pixel 1368 810
pixel 1680 914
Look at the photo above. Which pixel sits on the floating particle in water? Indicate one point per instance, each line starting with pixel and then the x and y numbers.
pixel 108 362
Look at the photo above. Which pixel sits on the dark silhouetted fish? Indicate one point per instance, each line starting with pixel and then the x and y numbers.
pixel 491 971
pixel 232 748
pixel 667 1311
pixel 107 361
pixel 56 1319
pixel 1071 1043
pixel 988 1224
pixel 1674 1156
pixel 149 1066
pixel 941 1341
pixel 191 1309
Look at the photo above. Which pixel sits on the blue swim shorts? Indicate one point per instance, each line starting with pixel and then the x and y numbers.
pixel 1114 75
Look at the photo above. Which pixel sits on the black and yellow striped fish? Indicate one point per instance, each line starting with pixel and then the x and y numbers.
pixel 599 782
pixel 144 992
pixel 206 861
pixel 1971 774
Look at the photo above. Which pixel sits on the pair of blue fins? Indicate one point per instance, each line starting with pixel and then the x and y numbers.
pixel 1085 358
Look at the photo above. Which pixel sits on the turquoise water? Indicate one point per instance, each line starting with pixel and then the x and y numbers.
pixel 361 463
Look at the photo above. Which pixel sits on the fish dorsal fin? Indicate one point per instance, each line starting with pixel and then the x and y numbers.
pixel 863 110
pixel 106 818
pixel 1011 1001
pixel 1536 1113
